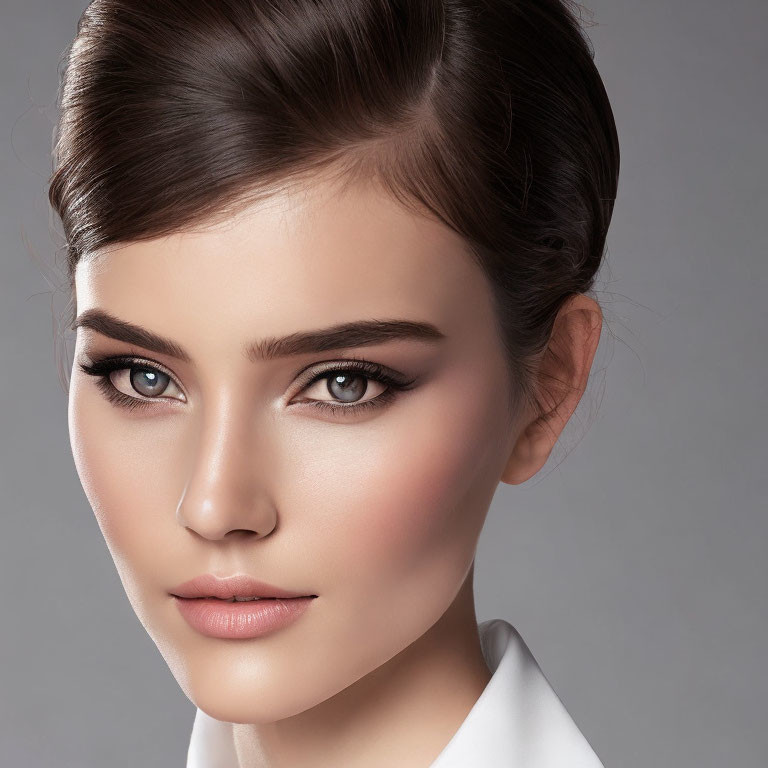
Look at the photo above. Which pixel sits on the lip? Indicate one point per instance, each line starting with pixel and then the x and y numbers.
pixel 238 621
pixel 239 585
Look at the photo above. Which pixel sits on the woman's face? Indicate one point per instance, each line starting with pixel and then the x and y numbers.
pixel 235 463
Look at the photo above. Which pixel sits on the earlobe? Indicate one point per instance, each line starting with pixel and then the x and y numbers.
pixel 530 453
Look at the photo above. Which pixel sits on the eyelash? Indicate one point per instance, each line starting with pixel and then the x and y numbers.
pixel 101 368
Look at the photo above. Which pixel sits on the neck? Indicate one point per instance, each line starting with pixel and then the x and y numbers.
pixel 402 713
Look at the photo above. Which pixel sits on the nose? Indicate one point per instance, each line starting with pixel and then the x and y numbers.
pixel 224 492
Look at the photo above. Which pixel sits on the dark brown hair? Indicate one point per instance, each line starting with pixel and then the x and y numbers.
pixel 488 114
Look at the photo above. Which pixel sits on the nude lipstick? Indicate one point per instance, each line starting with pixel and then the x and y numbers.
pixel 207 604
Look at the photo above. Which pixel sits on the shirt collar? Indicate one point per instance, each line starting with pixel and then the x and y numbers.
pixel 518 720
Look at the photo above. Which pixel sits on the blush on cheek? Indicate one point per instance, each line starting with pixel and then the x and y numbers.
pixel 419 502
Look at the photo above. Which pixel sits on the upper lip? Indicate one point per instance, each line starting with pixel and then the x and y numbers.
pixel 240 585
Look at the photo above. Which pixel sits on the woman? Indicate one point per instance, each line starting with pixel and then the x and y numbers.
pixel 329 265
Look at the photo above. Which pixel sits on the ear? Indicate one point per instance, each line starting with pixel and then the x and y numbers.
pixel 562 379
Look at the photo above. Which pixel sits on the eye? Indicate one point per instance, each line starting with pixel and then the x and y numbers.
pixel 144 380
pixel 346 387
pixel 122 379
pixel 351 387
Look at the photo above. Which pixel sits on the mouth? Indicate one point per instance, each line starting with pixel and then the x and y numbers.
pixel 240 617
pixel 237 588
pixel 238 599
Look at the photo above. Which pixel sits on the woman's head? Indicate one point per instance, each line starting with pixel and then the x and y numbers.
pixel 230 174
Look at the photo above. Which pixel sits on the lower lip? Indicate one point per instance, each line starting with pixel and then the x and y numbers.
pixel 226 620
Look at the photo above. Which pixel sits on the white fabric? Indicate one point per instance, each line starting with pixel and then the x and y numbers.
pixel 518 721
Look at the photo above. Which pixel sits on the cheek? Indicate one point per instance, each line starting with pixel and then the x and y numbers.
pixel 407 512
pixel 122 466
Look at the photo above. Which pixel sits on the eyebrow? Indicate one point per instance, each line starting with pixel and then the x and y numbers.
pixel 358 333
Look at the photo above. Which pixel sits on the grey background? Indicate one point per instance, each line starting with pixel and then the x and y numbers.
pixel 633 564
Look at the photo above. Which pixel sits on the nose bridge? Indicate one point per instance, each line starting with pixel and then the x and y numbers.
pixel 224 489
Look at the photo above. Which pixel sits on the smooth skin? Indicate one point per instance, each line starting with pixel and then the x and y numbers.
pixel 232 468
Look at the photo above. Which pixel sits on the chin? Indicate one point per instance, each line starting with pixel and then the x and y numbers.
pixel 236 682
pixel 238 700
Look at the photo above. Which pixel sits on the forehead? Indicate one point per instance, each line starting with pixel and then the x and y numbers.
pixel 308 256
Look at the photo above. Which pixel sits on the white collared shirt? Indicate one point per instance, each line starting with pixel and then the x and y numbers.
pixel 518 721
